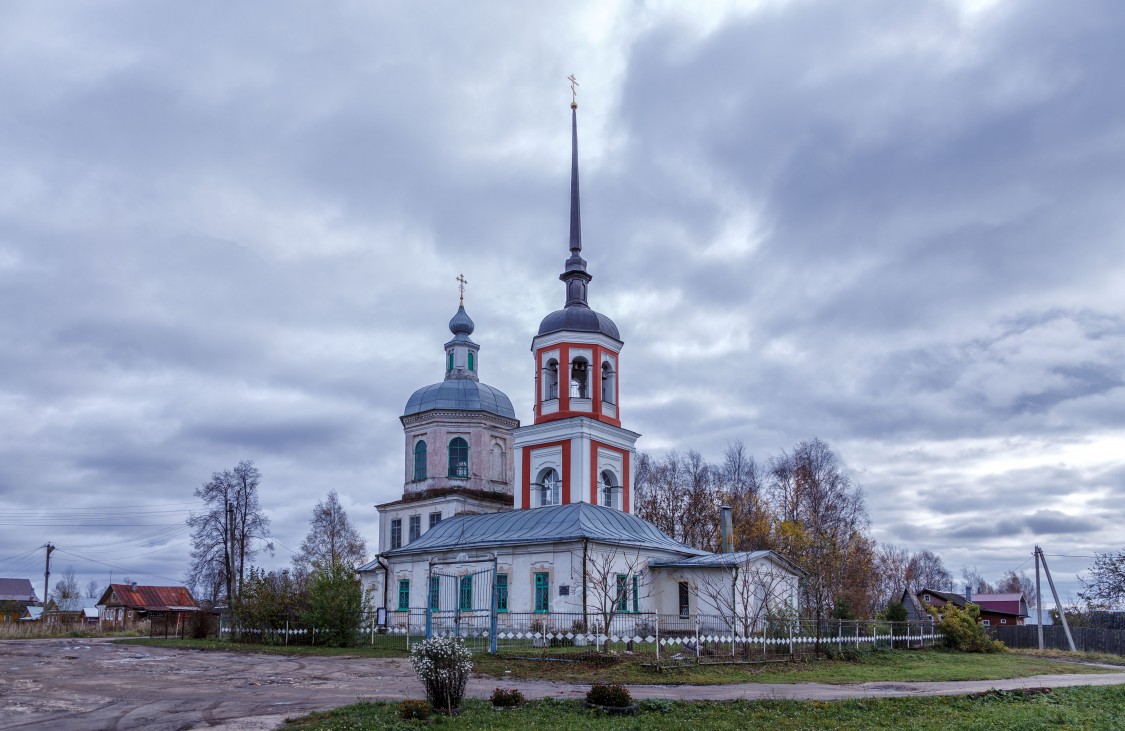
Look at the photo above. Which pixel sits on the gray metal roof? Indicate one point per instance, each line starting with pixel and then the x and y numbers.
pixel 17 590
pixel 461 395
pixel 581 319
pixel 729 560
pixel 553 524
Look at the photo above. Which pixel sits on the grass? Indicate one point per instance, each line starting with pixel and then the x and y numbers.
pixel 1102 657
pixel 1090 709
pixel 900 665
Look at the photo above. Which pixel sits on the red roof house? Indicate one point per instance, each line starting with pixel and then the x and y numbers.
pixel 995 609
pixel 122 605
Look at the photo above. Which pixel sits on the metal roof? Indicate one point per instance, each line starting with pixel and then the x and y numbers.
pixel 729 560
pixel 17 590
pixel 460 395
pixel 580 319
pixel 150 598
pixel 552 524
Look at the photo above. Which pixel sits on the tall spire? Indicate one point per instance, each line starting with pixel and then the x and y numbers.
pixel 575 198
pixel 575 275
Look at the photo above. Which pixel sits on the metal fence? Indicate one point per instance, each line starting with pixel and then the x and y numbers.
pixel 1086 639
pixel 700 638
pixel 574 636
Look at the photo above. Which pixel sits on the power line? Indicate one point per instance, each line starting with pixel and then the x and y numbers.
pixel 119 567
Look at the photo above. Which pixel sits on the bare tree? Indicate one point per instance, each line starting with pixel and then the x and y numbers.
pixel 332 539
pixel 742 486
pixel 1104 588
pixel 93 589
pixel 975 582
pixel 1019 583
pixel 891 563
pixel 224 535
pixel 613 581
pixel 926 570
pixel 748 593
pixel 680 495
pixel 66 594
pixel 822 521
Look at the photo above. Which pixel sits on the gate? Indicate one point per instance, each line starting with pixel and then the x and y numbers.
pixel 461 601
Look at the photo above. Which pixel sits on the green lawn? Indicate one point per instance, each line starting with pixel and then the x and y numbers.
pixel 902 665
pixel 1091 709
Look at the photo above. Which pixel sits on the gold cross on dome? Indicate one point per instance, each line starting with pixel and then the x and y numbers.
pixel 573 91
pixel 461 286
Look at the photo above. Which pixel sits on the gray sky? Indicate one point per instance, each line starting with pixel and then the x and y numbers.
pixel 232 232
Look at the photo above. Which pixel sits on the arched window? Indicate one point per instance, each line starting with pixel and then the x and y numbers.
pixel 551 380
pixel 578 373
pixel 608 383
pixel 609 489
pixel 458 457
pixel 471 365
pixel 497 466
pixel 550 486
pixel 420 460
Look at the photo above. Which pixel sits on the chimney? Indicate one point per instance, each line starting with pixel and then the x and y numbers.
pixel 727 528
pixel 968 593
pixel 133 586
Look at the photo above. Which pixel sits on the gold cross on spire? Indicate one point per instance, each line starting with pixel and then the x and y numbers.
pixel 573 91
pixel 461 282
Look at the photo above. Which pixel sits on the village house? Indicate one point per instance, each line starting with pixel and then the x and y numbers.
pixel 123 605
pixel 16 597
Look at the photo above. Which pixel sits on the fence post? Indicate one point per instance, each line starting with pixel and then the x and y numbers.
pixel 656 621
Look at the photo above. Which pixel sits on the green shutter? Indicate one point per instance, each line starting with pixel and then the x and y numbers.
pixel 542 592
pixel 403 594
pixel 501 592
pixel 466 603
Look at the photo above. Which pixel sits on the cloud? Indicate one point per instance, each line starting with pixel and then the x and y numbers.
pixel 232 233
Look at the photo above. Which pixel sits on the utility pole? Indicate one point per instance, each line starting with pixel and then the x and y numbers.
pixel 1038 599
pixel 1058 604
pixel 47 572
pixel 228 548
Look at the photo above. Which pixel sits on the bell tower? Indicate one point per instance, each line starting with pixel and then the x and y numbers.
pixel 575 450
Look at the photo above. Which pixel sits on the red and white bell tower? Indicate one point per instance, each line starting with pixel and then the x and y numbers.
pixel 575 450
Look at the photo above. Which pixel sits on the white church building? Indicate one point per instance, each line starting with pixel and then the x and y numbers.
pixel 538 518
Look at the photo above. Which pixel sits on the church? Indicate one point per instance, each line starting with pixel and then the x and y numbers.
pixel 511 519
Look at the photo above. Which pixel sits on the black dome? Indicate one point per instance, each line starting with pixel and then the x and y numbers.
pixel 581 319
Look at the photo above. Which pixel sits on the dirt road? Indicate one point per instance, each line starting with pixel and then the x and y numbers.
pixel 92 685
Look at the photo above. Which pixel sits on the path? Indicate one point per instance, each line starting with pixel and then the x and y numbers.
pixel 91 685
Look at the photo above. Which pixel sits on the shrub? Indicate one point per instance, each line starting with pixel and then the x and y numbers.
pixel 509 698
pixel 335 604
pixel 443 665
pixel 963 631
pixel 612 695
pixel 895 612
pixel 411 710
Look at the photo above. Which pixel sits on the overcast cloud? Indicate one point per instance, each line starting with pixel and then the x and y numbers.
pixel 232 232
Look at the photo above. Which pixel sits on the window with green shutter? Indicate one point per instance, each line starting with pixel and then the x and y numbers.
pixel 501 592
pixel 542 592
pixel 420 460
pixel 435 592
pixel 458 457
pixel 466 602
pixel 403 594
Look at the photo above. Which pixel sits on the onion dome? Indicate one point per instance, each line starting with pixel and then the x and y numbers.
pixel 461 390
